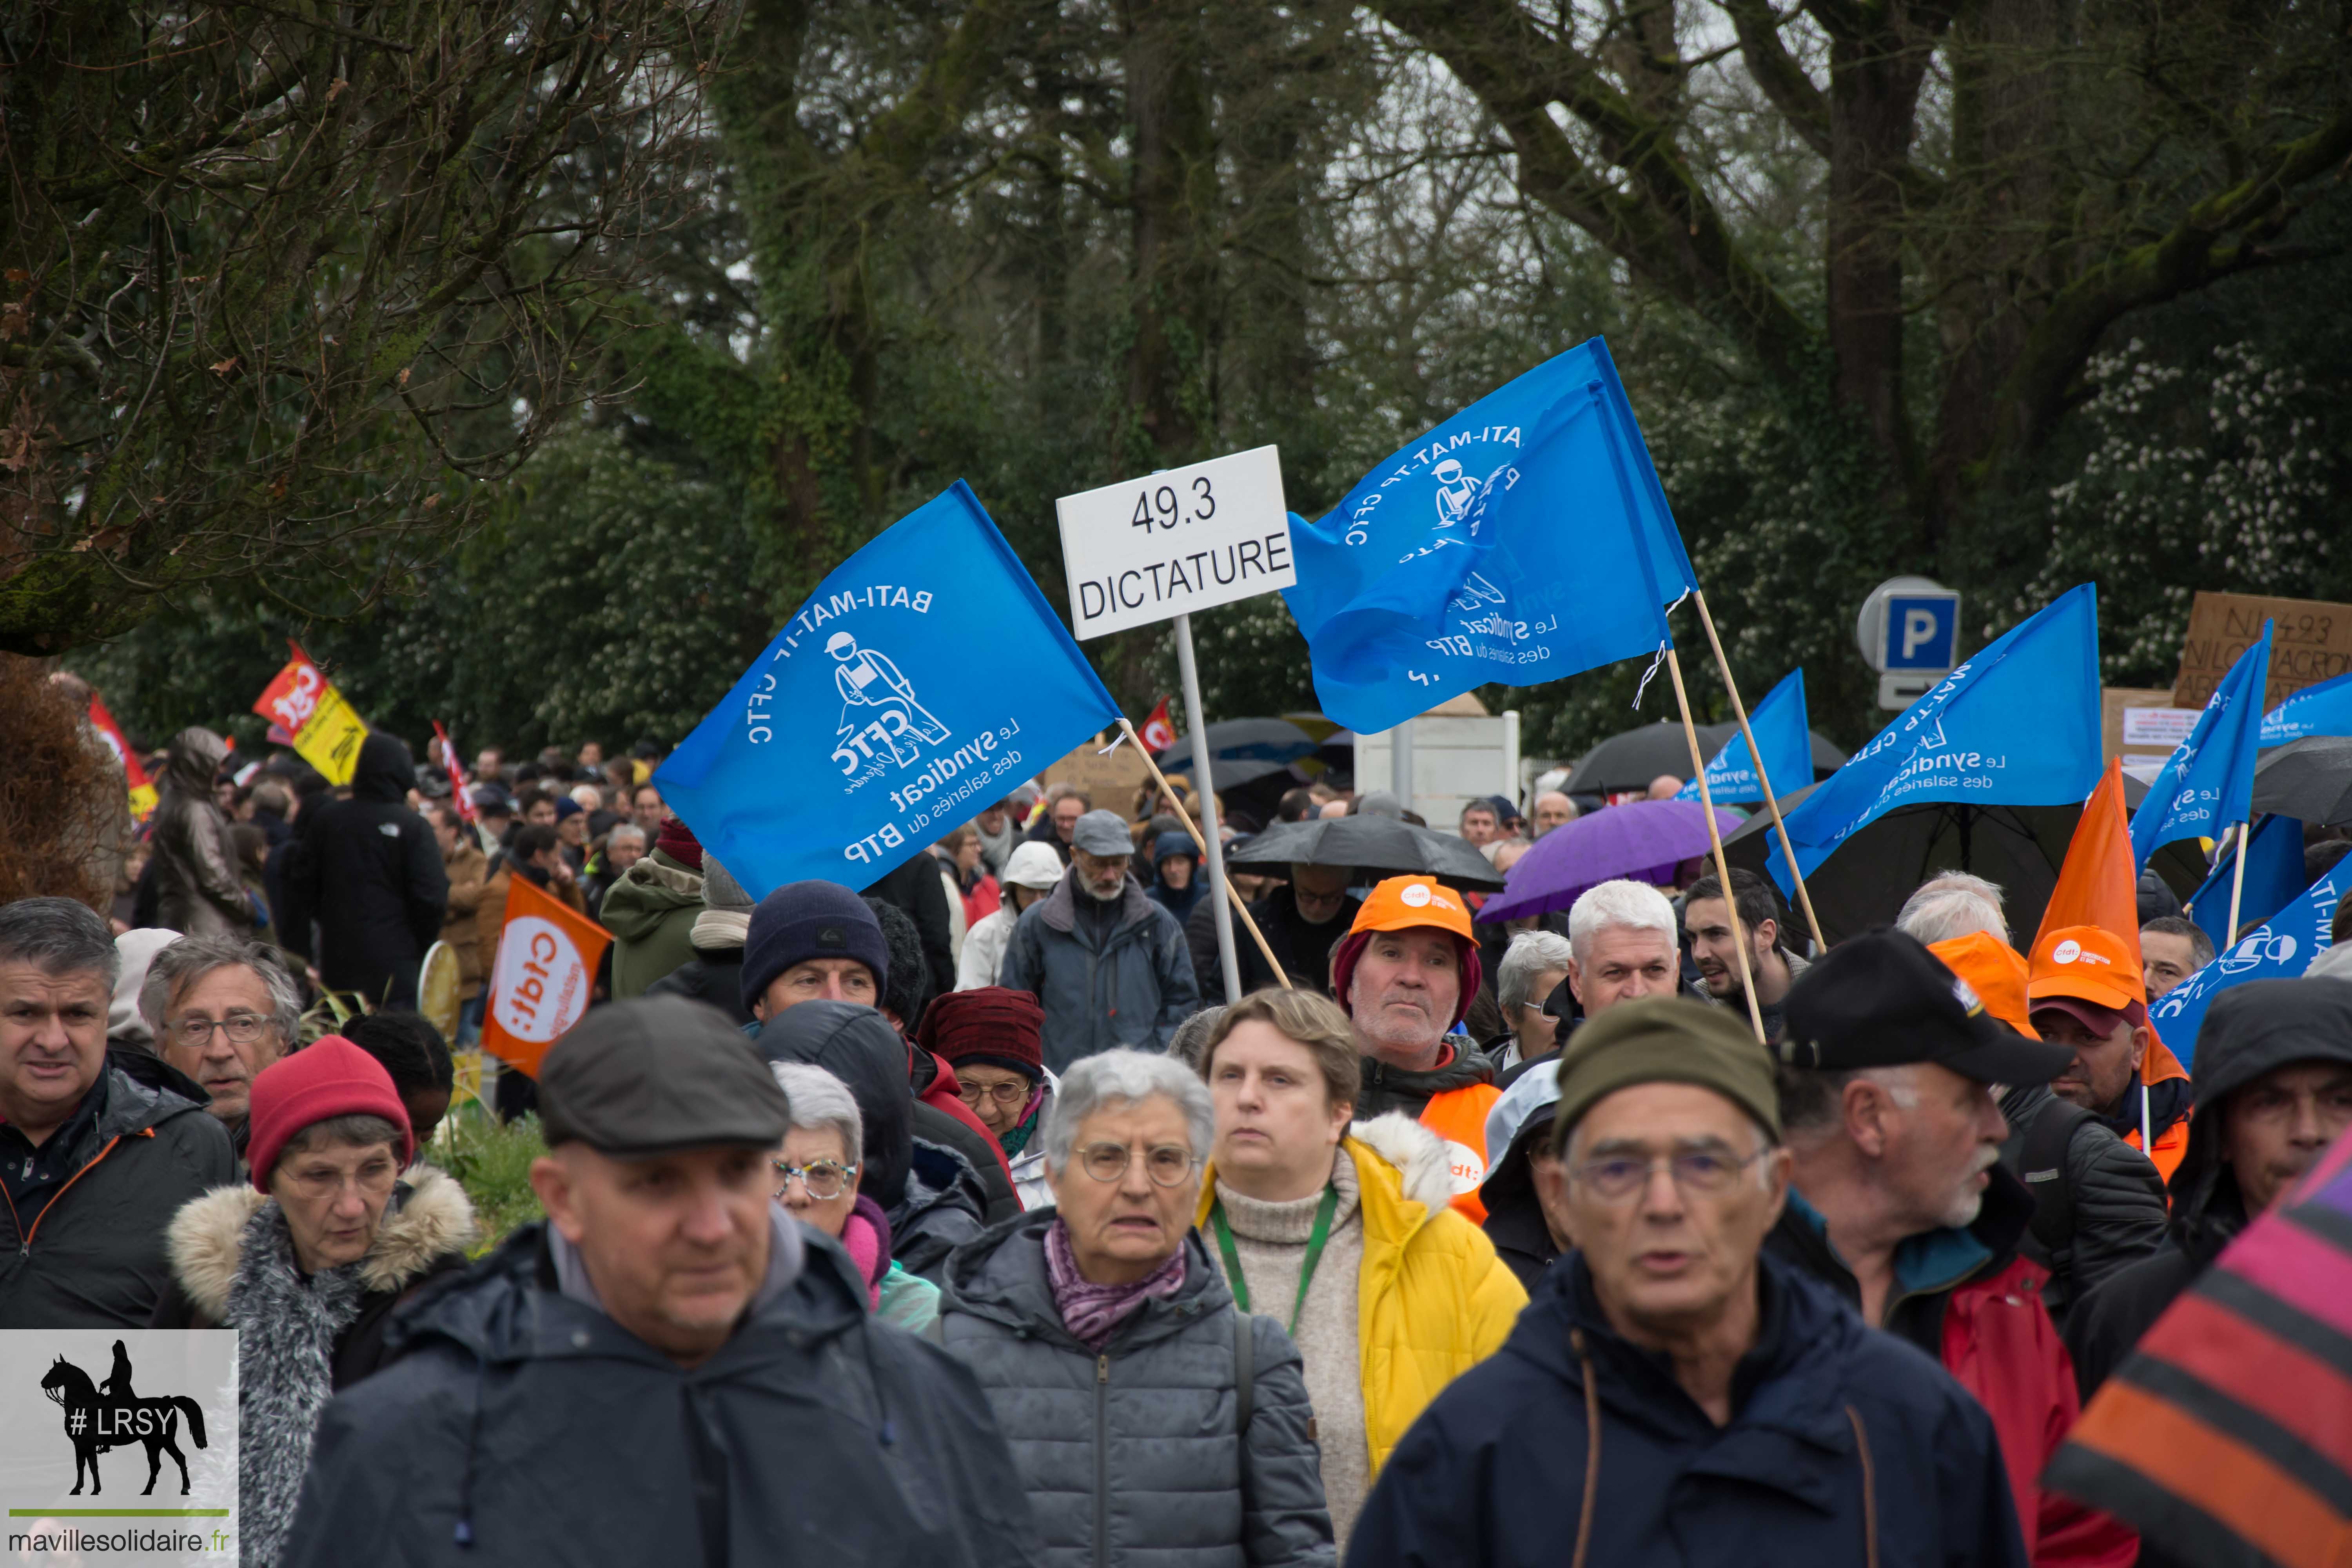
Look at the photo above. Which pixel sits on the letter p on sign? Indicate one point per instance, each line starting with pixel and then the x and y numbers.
pixel 1918 631
pixel 1922 631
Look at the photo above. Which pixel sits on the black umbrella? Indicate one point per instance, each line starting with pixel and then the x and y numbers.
pixel 1277 740
pixel 1372 847
pixel 2310 780
pixel 1865 880
pixel 1632 760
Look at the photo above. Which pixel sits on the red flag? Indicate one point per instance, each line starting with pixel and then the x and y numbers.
pixel 288 701
pixel 135 774
pixel 457 787
pixel 546 968
pixel 2099 883
pixel 1157 733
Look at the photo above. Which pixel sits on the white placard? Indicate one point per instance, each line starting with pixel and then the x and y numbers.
pixel 1181 539
pixel 2165 727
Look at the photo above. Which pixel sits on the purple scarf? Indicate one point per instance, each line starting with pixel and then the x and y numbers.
pixel 1091 1311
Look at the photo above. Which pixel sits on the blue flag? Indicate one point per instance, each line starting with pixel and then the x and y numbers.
pixel 2280 948
pixel 2274 877
pixel 2322 709
pixel 2209 782
pixel 1778 725
pixel 2017 724
pixel 924 678
pixel 1524 539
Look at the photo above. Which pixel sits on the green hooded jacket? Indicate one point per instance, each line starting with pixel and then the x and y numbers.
pixel 651 912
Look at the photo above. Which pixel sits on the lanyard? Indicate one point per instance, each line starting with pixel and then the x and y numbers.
pixel 1322 1233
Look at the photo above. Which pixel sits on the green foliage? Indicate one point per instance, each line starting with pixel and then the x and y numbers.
pixel 492 1162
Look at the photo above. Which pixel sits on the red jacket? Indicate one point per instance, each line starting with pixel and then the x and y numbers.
pixel 2001 1345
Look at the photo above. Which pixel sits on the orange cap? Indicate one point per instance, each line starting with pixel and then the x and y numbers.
pixel 1993 972
pixel 2088 963
pixel 1403 902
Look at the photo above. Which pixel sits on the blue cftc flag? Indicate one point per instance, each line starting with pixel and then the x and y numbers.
pixel 2322 709
pixel 924 678
pixel 2280 948
pixel 1524 540
pixel 2209 782
pixel 1780 726
pixel 2016 725
pixel 2274 877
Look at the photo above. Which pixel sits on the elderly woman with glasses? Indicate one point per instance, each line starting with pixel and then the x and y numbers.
pixel 816 1181
pixel 1151 1420
pixel 309 1262
pixel 993 1038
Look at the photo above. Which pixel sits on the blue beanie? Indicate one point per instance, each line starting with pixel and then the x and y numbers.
pixel 802 920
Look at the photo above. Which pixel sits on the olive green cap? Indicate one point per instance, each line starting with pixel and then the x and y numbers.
pixel 1665 1039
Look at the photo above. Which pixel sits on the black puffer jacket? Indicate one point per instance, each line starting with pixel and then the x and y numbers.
pixel 2117 1200
pixel 518 1426
pixel 2250 1030
pixel 714 975
pixel 93 1256
pixel 370 874
pixel 1134 1457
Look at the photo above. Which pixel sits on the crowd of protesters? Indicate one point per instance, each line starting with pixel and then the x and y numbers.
pixel 956 1219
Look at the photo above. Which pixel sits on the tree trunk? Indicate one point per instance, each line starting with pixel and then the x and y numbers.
pixel 1174 195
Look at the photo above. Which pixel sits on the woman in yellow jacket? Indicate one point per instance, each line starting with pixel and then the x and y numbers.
pixel 1342 1234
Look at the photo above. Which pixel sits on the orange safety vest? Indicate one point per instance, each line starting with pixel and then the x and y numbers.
pixel 1458 1117
pixel 2158 1065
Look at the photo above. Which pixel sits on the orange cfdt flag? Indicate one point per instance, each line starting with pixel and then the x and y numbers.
pixel 546 968
pixel 2099 883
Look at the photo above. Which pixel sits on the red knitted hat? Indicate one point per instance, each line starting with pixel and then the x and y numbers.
pixel 677 841
pixel 988 1022
pixel 330 1077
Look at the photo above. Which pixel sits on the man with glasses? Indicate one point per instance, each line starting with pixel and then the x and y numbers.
pixel 669 1369
pixel 1108 965
pixel 1902 1206
pixel 1672 1390
pixel 221 1010
pixel 98 1150
pixel 1302 920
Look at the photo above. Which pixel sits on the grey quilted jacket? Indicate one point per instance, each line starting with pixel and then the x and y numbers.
pixel 1131 1459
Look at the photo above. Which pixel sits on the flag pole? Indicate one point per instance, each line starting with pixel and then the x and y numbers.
pixel 1714 840
pixel 2238 880
pixel 1233 971
pixel 1212 847
pixel 1756 756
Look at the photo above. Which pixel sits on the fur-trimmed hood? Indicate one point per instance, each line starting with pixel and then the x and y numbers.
pixel 205 1237
pixel 1417 1154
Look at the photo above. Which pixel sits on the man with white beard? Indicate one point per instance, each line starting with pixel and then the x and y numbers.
pixel 1898 1200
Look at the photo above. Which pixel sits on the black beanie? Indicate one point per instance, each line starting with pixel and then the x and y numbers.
pixel 802 920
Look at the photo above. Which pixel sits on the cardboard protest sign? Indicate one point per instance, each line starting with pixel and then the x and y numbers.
pixel 2312 643
pixel 546 967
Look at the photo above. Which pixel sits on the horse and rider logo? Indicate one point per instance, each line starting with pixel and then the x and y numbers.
pixel 110 1416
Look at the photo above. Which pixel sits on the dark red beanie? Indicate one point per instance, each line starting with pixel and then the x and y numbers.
pixel 329 1077
pixel 991 1025
pixel 1351 948
pixel 677 841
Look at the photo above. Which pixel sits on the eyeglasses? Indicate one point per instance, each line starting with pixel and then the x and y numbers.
pixel 1004 1094
pixel 242 1028
pixel 373 1181
pixel 824 1179
pixel 1705 1171
pixel 1167 1165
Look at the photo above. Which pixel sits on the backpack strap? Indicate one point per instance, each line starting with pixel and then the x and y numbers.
pixel 1245 1372
pixel 2042 1163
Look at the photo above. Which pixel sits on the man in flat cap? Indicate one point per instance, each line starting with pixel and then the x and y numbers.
pixel 1671 1393
pixel 669 1368
pixel 1891 1070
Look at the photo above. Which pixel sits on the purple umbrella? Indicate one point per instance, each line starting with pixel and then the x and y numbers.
pixel 1643 839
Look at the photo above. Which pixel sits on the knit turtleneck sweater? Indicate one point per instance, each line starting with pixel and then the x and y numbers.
pixel 1271 1239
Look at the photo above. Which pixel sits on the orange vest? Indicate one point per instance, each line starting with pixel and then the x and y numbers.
pixel 1458 1117
pixel 2155 1066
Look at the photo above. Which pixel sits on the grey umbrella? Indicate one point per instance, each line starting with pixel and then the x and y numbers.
pixel 2310 780
pixel 1863 882
pixel 1374 847
pixel 1632 760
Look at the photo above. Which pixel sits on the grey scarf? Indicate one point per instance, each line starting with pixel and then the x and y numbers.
pixel 285 1373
